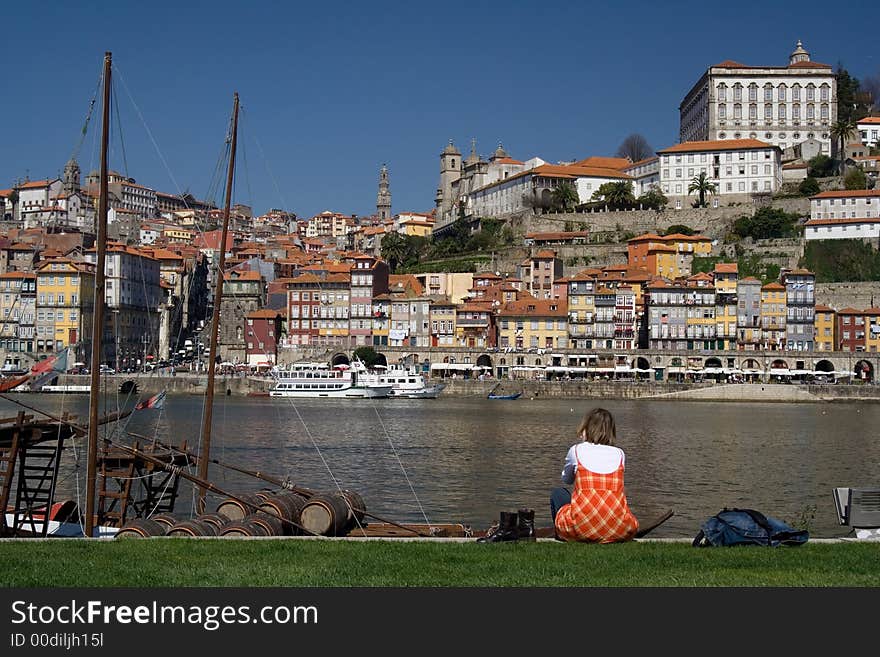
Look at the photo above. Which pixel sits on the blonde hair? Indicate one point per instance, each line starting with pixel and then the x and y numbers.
pixel 598 427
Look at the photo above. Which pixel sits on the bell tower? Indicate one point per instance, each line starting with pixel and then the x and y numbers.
pixel 450 172
pixel 383 199
pixel 70 182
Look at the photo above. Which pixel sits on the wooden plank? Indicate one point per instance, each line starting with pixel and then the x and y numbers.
pixel 387 530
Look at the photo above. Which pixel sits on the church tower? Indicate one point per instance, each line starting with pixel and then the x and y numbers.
pixel 450 173
pixel 383 199
pixel 70 182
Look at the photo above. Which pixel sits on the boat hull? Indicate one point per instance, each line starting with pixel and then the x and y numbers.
pixel 371 392
pixel 428 392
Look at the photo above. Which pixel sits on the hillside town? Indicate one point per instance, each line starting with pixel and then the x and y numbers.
pixel 605 253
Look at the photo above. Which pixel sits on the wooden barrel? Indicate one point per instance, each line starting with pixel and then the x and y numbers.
pixel 192 528
pixel 272 525
pixel 235 510
pixel 218 520
pixel 243 527
pixel 141 528
pixel 356 508
pixel 325 514
pixel 265 494
pixel 288 505
pixel 167 520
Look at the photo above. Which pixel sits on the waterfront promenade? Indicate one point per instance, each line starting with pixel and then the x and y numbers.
pixel 195 384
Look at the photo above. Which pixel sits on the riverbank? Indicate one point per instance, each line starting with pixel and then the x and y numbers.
pixel 707 391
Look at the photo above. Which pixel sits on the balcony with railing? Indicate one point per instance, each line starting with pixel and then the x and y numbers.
pixel 472 322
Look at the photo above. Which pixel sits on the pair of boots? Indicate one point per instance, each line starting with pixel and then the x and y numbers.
pixel 512 527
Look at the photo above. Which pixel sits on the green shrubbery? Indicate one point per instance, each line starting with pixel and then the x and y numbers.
pixel 834 261
pixel 768 223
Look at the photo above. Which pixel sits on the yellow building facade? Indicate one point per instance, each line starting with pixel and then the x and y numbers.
pixel 825 323
pixel 773 312
pixel 65 302
pixel 533 324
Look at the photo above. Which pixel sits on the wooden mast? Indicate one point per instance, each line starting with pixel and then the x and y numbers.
pixel 98 312
pixel 205 452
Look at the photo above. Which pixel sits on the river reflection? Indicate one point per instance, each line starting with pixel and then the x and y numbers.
pixel 457 459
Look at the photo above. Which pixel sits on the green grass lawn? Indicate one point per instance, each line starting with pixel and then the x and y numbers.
pixel 171 562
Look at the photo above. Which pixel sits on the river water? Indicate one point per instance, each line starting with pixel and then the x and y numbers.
pixel 458 459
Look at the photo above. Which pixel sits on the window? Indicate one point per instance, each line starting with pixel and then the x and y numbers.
pixel 737 91
pixel 722 111
pixel 768 92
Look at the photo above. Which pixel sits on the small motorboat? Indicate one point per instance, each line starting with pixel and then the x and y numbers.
pixel 515 395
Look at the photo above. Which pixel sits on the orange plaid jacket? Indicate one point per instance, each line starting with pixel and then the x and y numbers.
pixel 598 512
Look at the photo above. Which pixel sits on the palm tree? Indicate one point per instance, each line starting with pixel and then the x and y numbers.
pixel 842 131
pixel 565 197
pixel 394 249
pixel 617 195
pixel 702 185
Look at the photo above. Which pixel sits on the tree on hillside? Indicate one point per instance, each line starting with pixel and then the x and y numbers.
pixel 394 249
pixel 679 229
pixel 616 195
pixel 855 179
pixel 702 186
pixel 565 197
pixel 767 223
pixel 653 199
pixel 820 166
pixel 635 147
pixel 843 131
pixel 809 187
pixel 852 102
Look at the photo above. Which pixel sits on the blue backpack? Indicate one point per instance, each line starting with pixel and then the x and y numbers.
pixel 747 527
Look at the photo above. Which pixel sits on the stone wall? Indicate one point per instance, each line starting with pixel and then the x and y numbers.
pixel 848 295
pixel 243 386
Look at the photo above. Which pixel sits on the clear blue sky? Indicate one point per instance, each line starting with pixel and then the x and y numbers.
pixel 330 91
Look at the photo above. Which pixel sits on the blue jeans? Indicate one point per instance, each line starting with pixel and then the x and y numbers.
pixel 559 497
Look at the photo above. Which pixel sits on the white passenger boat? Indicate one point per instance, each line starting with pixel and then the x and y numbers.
pixel 405 382
pixel 319 380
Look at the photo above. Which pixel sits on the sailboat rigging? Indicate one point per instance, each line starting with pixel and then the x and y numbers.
pixel 98 313
pixel 215 317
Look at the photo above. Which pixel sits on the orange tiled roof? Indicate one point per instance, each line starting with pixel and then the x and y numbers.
pixel 265 313
pixel 870 119
pixel 726 267
pixel 847 193
pixel 535 307
pixel 847 221
pixel 618 163
pixel 717 145
pixel 773 286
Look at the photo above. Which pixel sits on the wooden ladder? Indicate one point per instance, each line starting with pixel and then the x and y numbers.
pixel 8 457
pixel 38 465
pixel 119 467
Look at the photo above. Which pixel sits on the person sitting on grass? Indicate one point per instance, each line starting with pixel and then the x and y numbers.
pixel 597 510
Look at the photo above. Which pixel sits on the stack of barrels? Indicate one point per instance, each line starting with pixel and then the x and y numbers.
pixel 264 513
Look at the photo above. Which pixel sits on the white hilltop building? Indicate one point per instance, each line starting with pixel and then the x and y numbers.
pixel 782 105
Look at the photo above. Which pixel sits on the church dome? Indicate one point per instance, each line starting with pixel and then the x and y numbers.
pixel 799 54
pixel 500 152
